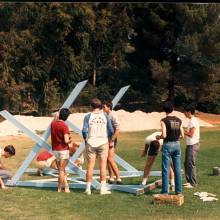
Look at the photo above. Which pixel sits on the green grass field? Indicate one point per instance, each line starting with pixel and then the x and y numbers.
pixel 37 203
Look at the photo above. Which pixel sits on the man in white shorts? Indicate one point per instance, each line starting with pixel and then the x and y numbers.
pixel 60 140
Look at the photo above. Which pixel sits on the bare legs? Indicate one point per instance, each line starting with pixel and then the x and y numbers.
pixel 112 166
pixel 62 180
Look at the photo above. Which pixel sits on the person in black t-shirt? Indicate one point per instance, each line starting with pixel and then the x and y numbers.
pixel 172 130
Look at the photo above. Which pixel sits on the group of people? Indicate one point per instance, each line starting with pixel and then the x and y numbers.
pixel 101 128
pixel 168 142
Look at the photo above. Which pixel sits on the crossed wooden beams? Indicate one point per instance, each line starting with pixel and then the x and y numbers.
pixel 79 181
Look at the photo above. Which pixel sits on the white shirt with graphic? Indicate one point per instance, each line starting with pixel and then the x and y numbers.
pixel 97 133
pixel 193 123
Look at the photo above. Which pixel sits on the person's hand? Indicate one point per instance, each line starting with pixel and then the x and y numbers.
pixel 158 137
pixel 111 144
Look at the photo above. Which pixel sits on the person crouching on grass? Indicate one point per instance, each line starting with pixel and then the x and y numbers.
pixel 153 145
pixel 5 174
pixel 60 140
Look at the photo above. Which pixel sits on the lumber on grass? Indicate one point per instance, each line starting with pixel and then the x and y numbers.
pixel 168 199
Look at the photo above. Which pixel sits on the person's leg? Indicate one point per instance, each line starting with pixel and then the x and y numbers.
pixel 103 154
pixel 110 172
pixel 112 166
pixel 62 175
pixel 187 163
pixel 91 157
pixel 177 167
pixel 165 168
pixel 2 184
pixel 5 175
pixel 192 152
pixel 172 181
pixel 147 168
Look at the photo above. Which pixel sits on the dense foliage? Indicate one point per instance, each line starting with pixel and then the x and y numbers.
pixel 164 51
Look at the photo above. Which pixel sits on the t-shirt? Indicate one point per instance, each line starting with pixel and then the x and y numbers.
pixel 152 137
pixel 193 123
pixel 97 133
pixel 44 155
pixel 173 125
pixel 58 130
pixel 114 120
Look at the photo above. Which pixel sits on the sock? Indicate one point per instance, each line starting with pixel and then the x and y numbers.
pixel 172 183
pixel 103 184
pixel 118 179
pixel 88 186
pixel 144 181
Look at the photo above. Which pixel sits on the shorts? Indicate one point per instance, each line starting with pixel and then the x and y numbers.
pixel 93 152
pixel 45 163
pixel 152 151
pixel 62 154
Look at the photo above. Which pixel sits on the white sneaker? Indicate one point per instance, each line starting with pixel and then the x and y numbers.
pixel 88 192
pixel 189 186
pixel 186 184
pixel 105 192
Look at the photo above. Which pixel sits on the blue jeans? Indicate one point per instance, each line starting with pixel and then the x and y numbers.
pixel 171 150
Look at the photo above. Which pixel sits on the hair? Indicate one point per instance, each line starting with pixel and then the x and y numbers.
pixel 168 107
pixel 96 103
pixel 64 113
pixel 108 103
pixel 190 108
pixel 10 149
pixel 154 144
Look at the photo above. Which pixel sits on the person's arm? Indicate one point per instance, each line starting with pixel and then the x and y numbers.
pixel 181 132
pixel 85 127
pixel 164 131
pixel 2 183
pixel 2 167
pixel 115 135
pixel 66 132
pixel 67 139
pixel 110 131
pixel 144 153
pixel 191 131
pixel 116 124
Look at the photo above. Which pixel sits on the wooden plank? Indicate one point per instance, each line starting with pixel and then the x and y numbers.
pixel 168 199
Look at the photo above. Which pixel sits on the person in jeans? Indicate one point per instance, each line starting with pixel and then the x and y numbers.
pixel 97 133
pixel 192 147
pixel 172 130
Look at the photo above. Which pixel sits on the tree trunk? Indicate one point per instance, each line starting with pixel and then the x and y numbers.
pixel 171 90
pixel 94 75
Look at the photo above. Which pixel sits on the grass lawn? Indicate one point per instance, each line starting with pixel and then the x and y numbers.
pixel 36 203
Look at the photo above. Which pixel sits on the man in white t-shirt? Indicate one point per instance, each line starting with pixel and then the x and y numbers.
pixel 192 147
pixel 152 147
pixel 97 133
